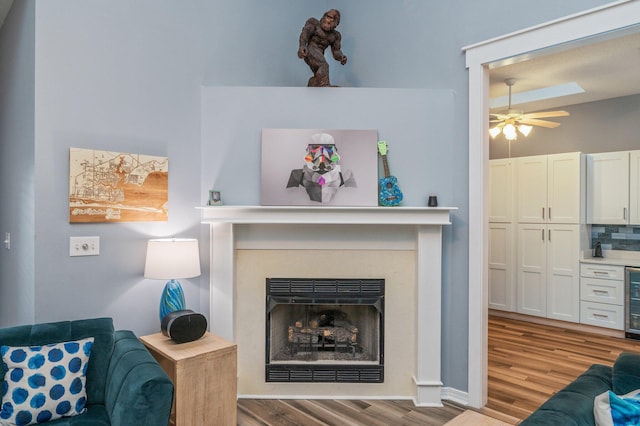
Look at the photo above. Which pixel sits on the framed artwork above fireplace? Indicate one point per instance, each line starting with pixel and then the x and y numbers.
pixel 319 167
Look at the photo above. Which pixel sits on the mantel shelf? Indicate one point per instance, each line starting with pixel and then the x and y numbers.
pixel 327 215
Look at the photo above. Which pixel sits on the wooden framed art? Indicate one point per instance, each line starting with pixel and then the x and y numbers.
pixel 106 186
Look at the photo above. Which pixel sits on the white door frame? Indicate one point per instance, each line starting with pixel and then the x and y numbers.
pixel 520 45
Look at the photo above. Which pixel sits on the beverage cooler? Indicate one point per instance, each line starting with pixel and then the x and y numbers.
pixel 632 303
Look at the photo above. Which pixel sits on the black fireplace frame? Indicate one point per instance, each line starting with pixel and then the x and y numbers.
pixel 338 291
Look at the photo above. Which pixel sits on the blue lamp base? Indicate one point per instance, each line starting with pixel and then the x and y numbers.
pixel 172 298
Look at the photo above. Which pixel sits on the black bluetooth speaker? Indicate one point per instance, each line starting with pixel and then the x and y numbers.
pixel 184 326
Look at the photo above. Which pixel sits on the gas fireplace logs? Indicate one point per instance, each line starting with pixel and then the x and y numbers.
pixel 324 330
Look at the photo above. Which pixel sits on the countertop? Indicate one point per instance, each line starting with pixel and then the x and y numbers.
pixel 612 257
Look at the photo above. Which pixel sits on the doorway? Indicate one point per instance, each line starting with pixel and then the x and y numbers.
pixel 526 44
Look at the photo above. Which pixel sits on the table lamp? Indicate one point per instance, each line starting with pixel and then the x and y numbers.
pixel 172 259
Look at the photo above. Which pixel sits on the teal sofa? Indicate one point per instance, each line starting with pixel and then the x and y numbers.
pixel 124 384
pixel 573 405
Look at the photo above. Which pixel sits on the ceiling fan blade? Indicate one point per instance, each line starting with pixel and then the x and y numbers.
pixel 541 123
pixel 547 114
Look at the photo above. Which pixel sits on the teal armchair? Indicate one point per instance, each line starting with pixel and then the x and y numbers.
pixel 125 385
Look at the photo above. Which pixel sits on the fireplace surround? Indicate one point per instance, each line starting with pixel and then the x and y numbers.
pixel 380 239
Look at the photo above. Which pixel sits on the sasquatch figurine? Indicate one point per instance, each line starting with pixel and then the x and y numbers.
pixel 321 175
pixel 315 37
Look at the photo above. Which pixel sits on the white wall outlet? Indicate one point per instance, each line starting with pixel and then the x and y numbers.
pixel 84 246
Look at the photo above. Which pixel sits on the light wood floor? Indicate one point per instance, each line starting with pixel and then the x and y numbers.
pixel 527 364
pixel 530 362
pixel 322 412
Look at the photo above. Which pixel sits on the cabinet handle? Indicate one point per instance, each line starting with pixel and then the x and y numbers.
pixel 549 235
pixel 600 316
pixel 601 273
pixel 600 291
pixel 549 213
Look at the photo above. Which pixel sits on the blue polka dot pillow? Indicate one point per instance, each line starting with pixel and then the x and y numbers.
pixel 44 383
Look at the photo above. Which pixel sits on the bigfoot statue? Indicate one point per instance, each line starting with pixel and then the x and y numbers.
pixel 315 37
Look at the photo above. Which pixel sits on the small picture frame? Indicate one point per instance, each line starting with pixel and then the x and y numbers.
pixel 215 198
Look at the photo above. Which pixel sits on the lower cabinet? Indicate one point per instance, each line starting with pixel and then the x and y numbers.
pixel 502 289
pixel 602 295
pixel 548 274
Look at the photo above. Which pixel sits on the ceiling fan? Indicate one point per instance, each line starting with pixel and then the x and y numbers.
pixel 513 119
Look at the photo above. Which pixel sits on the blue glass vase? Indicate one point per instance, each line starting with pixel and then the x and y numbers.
pixel 172 298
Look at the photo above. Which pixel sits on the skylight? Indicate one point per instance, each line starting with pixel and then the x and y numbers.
pixel 537 95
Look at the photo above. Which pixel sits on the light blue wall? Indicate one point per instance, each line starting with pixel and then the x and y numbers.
pixel 17 147
pixel 118 76
pixel 126 75
pixel 231 147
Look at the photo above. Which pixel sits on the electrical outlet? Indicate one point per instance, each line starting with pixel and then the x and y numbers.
pixel 84 246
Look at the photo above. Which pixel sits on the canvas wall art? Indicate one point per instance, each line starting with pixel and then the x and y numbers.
pixel 319 167
pixel 107 186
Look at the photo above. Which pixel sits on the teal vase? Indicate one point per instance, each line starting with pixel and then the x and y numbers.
pixel 172 298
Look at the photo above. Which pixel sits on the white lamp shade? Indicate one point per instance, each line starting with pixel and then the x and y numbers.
pixel 525 129
pixel 172 258
pixel 494 131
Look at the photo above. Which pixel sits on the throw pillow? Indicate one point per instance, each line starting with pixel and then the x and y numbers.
pixel 610 409
pixel 44 383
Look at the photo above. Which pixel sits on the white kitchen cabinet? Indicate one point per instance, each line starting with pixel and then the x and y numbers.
pixel 548 276
pixel 502 288
pixel 563 272
pixel 502 291
pixel 501 190
pixel 634 187
pixel 608 188
pixel 531 179
pixel 550 188
pixel 602 295
pixel 532 270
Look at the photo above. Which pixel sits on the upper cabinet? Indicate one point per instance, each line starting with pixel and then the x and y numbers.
pixel 550 188
pixel 501 190
pixel 634 187
pixel 613 188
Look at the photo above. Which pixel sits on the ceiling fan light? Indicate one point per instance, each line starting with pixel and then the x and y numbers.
pixel 525 129
pixel 509 132
pixel 494 132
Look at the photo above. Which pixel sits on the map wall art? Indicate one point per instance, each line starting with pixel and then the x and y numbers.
pixel 319 167
pixel 107 186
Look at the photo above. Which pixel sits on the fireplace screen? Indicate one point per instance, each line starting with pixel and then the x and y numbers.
pixel 325 330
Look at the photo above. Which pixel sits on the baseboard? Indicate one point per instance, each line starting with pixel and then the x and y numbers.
pixel 447 394
pixel 454 395
pixel 358 397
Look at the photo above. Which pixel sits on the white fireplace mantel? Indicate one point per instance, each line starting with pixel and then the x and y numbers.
pixel 427 234
pixel 327 215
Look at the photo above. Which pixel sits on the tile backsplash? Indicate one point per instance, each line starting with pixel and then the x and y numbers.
pixel 616 237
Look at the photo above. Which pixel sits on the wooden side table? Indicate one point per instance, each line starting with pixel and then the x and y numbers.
pixel 203 373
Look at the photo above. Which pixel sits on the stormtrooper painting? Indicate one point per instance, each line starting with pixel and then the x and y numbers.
pixel 321 175
pixel 319 167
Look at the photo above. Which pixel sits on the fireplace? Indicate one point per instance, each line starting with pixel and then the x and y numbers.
pixel 403 245
pixel 324 330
